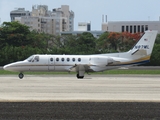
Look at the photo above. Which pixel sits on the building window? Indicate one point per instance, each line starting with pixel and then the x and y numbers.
pixel 127 28
pixel 139 30
pixel 146 27
pixel 88 27
pixel 122 28
pixel 130 29
pixel 142 28
pixel 135 29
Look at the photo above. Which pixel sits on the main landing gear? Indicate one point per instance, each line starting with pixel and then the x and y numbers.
pixel 20 75
pixel 80 77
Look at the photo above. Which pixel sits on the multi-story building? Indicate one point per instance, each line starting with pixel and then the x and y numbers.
pixel 131 26
pixel 51 22
pixel 18 13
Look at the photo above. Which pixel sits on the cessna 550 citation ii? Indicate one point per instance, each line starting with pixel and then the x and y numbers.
pixel 139 54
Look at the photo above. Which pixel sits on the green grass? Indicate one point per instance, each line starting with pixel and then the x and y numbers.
pixel 3 72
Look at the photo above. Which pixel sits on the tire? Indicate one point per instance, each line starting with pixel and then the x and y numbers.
pixel 80 77
pixel 21 75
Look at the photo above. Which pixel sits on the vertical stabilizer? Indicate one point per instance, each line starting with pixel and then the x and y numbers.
pixel 145 45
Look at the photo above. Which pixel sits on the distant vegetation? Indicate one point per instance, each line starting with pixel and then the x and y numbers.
pixel 17 43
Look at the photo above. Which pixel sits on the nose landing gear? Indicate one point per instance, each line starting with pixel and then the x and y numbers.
pixel 20 75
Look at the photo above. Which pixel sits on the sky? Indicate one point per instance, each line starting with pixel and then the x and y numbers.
pixel 91 10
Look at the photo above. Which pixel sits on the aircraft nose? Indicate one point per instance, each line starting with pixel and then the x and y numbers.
pixel 8 67
pixel 5 67
pixel 12 66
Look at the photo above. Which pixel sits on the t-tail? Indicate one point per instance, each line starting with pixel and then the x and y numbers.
pixel 143 49
pixel 146 43
pixel 139 54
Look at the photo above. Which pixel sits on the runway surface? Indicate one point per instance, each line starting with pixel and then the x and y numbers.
pixel 91 88
pixel 61 97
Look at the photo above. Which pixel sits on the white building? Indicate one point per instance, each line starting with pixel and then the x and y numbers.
pixel 131 26
pixel 84 26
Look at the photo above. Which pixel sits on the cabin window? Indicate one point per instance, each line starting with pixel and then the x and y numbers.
pixel 51 59
pixel 57 59
pixel 73 59
pixel 62 59
pixel 36 58
pixel 68 59
pixel 79 59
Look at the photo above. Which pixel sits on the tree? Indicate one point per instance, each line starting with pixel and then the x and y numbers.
pixel 17 42
pixel 155 57
pixel 85 43
pixel 14 33
pixel 123 41
pixel 103 44
pixel 157 39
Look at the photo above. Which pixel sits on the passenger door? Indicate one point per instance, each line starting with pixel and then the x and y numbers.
pixel 51 63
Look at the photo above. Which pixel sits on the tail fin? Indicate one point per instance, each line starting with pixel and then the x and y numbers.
pixel 145 45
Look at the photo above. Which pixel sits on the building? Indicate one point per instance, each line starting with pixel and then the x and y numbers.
pixel 18 13
pixel 43 20
pixel 84 26
pixel 131 26
pixel 96 34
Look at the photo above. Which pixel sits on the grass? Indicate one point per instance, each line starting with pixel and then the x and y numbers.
pixel 115 71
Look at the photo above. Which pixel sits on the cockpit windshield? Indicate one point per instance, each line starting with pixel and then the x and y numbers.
pixel 30 58
pixel 33 58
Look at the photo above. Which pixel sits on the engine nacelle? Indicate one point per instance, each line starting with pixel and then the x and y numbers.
pixel 100 60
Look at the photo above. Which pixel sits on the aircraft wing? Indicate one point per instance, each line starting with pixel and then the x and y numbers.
pixel 81 67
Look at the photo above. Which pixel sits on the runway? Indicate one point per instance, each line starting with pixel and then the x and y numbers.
pixel 93 88
pixel 64 97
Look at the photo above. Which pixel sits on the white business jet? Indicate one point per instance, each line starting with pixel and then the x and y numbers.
pixel 139 54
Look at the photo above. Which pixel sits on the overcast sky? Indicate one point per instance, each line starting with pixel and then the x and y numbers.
pixel 92 10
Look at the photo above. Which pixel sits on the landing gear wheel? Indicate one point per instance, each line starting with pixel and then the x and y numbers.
pixel 21 75
pixel 80 77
